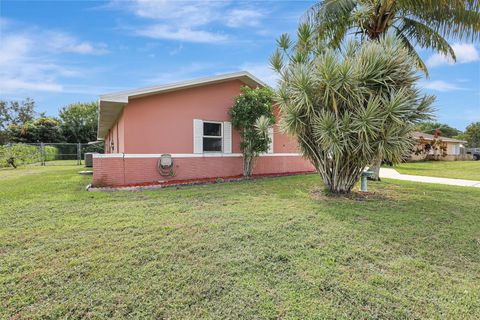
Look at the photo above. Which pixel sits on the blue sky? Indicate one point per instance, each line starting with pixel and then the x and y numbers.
pixel 60 52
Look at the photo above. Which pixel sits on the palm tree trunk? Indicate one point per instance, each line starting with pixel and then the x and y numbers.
pixel 375 168
pixel 338 178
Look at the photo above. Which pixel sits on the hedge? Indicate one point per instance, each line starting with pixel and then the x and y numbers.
pixel 25 154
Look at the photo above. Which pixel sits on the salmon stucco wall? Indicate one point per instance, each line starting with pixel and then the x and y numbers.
pixel 163 123
pixel 121 170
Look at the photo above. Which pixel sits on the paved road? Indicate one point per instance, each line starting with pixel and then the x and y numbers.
pixel 394 174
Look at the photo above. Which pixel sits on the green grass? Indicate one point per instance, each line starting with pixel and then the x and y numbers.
pixel 469 170
pixel 268 249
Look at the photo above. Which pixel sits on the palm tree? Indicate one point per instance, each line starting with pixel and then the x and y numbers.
pixel 421 23
pixel 348 106
pixel 416 23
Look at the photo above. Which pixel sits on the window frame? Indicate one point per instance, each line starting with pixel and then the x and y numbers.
pixel 455 149
pixel 216 137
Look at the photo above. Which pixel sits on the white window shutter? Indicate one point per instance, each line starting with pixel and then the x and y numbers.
pixel 270 135
pixel 197 136
pixel 227 137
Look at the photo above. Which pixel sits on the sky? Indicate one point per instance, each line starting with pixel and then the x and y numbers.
pixel 62 52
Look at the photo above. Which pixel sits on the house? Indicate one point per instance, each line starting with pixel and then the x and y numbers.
pixel 431 147
pixel 189 121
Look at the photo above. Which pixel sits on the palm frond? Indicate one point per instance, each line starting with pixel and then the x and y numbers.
pixel 331 19
pixel 457 19
pixel 425 37
pixel 411 50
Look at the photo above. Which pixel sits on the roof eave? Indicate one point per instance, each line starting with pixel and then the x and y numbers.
pixel 108 113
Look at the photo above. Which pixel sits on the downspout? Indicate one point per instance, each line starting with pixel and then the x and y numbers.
pixel 118 143
pixel 124 175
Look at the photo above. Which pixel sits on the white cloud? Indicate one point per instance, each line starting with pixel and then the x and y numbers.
pixel 29 58
pixel 464 52
pixel 13 48
pixel 12 85
pixel 183 34
pixel 243 17
pixel 183 13
pixel 176 50
pixel 192 21
pixel 440 85
pixel 3 22
pixel 61 42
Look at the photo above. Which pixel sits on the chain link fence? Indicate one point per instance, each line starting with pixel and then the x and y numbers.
pixel 46 154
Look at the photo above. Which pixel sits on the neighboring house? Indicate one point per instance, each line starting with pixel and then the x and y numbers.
pixel 188 120
pixel 430 147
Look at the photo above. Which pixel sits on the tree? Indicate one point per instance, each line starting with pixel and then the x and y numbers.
pixel 15 113
pixel 79 122
pixel 348 107
pixel 471 135
pixel 4 122
pixel 252 115
pixel 416 23
pixel 43 129
pixel 431 127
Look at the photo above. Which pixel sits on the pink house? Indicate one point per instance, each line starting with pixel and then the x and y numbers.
pixel 188 121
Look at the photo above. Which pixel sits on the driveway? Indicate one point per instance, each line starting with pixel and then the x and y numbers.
pixel 394 174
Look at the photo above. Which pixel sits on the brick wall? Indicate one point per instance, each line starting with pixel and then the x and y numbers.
pixel 108 172
pixel 125 171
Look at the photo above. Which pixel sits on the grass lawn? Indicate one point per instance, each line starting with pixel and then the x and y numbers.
pixel 469 170
pixel 268 249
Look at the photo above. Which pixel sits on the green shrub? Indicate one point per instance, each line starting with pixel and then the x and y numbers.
pixel 51 153
pixel 21 153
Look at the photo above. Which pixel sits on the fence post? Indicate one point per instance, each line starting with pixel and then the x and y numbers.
pixel 79 153
pixel 9 153
pixel 42 153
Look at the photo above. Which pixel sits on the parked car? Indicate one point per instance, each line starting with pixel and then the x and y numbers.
pixel 475 152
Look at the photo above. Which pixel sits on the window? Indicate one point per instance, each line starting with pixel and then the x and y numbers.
pixel 455 149
pixel 212 137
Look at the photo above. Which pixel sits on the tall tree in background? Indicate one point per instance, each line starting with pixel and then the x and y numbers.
pixel 16 113
pixel 416 23
pixel 43 129
pixel 445 130
pixel 471 135
pixel 4 121
pixel 79 122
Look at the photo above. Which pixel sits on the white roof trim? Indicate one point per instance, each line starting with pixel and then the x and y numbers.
pixel 188 155
pixel 111 104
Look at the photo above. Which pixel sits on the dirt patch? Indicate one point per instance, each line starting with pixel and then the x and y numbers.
pixel 384 194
